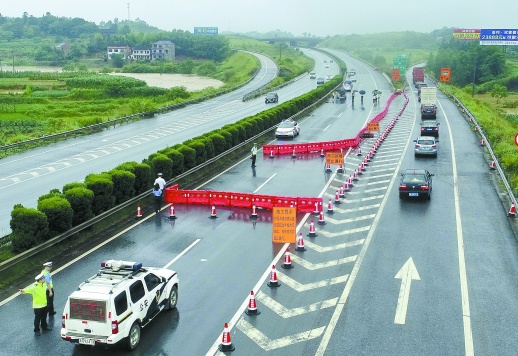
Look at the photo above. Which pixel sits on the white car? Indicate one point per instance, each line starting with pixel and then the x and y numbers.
pixel 287 128
pixel 113 305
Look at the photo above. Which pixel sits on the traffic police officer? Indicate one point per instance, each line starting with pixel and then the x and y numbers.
pixel 254 154
pixel 47 266
pixel 39 303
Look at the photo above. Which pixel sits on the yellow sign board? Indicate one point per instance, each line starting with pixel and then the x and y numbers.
pixel 284 225
pixel 334 158
pixel 373 126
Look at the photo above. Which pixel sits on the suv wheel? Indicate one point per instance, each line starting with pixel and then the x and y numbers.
pixel 173 298
pixel 133 338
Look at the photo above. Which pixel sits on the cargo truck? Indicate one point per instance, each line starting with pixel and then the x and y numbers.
pixel 418 74
pixel 428 103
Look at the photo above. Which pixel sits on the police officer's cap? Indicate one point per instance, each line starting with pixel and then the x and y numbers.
pixel 39 276
pixel 47 264
pixel 159 174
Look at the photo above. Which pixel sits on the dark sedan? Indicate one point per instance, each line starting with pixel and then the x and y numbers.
pixel 430 128
pixel 415 183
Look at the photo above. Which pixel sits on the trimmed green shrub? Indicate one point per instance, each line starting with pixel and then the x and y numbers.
pixel 123 185
pixel 219 143
pixel 30 228
pixel 209 147
pixel 227 136
pixel 177 158
pixel 102 186
pixel 234 131
pixel 69 186
pixel 59 214
pixel 51 194
pixel 199 147
pixel 162 164
pixel 189 156
pixel 142 174
pixel 81 200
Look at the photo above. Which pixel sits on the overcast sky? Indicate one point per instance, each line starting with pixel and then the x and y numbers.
pixel 321 18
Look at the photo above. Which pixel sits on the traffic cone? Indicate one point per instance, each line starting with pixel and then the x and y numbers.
pixel 317 211
pixel 273 278
pixel 512 210
pixel 252 305
pixel 271 154
pixel 226 344
pixel 300 243
pixel 341 169
pixel 368 157
pixel 328 168
pixel 330 209
pixel 355 176
pixel 254 213
pixel 139 212
pixel 362 166
pixel 337 198
pixel 321 220
pixel 322 153
pixel 213 213
pixel 482 142
pixel 287 260
pixel 365 162
pixel 359 152
pixel 342 193
pixel 350 181
pixel 293 155
pixel 312 232
pixel 492 165
pixel 346 186
pixel 172 215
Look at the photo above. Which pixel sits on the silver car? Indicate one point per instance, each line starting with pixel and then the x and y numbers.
pixel 426 145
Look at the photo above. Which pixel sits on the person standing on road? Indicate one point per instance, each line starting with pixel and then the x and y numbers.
pixel 39 303
pixel 160 181
pixel 157 197
pixel 254 154
pixel 47 267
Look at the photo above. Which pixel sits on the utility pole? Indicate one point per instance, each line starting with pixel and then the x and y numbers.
pixel 128 12
pixel 474 75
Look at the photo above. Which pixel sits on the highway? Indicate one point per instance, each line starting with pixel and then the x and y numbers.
pixel 383 276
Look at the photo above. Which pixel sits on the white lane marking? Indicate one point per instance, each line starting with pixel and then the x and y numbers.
pixel 182 253
pixel 345 221
pixel 299 287
pixel 262 185
pixel 314 266
pixel 321 249
pixel 407 273
pixel 344 232
pixel 268 344
pixel 285 313
pixel 360 208
pixel 326 128
pixel 466 315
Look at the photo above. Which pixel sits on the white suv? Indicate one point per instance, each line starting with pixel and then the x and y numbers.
pixel 117 302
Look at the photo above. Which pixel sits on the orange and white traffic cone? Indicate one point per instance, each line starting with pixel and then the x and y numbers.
pixel 213 213
pixel 287 260
pixel 322 154
pixel 330 209
pixel 317 211
pixel 359 152
pixel 350 181
pixel 342 193
pixel 321 220
pixel 293 155
pixel 139 212
pixel 300 243
pixel 492 165
pixel 226 343
pixel 360 171
pixel 254 213
pixel 341 168
pixel 482 142
pixel 273 278
pixel 346 186
pixel 512 210
pixel 312 232
pixel 355 176
pixel 337 198
pixel 328 168
pixel 271 154
pixel 252 305
pixel 172 215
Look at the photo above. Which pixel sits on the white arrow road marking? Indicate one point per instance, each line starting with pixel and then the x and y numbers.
pixel 267 344
pixel 299 287
pixel 315 266
pixel 406 274
pixel 344 232
pixel 284 312
pixel 344 221
pixel 339 210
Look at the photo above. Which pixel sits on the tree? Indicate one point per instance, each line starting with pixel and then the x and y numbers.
pixel 117 60
pixel 499 91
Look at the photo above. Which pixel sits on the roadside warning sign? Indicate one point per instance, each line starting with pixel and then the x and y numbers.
pixel 284 224
pixel 334 158
pixel 373 126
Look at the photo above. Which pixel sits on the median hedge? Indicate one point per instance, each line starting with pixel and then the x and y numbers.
pixel 100 192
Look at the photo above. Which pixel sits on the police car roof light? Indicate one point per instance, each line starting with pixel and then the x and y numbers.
pixel 118 265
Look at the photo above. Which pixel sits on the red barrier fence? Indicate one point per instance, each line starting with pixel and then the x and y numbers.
pixel 241 200
pixel 273 150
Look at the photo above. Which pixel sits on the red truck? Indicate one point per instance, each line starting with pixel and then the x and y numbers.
pixel 418 74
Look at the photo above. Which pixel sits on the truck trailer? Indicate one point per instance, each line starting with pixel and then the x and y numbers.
pixel 428 103
pixel 418 74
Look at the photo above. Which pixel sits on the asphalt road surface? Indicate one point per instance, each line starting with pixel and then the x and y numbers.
pixel 383 276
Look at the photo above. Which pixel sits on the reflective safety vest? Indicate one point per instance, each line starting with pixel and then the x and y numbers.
pixel 48 276
pixel 39 295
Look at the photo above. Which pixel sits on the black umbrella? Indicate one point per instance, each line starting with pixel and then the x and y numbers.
pixel 362 92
